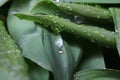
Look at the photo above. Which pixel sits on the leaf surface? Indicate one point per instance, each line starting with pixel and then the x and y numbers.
pixel 98 74
pixel 12 64
pixel 2 2
pixel 42 46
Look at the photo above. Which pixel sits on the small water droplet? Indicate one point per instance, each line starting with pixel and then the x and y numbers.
pixel 98 17
pixel 96 32
pixel 59 43
pixel 8 51
pixel 102 35
pixel 88 9
pixel 69 8
pixel 85 31
pixel 116 30
pixel 75 77
pixel 92 40
pixel 104 11
pixel 17 51
pixel 78 20
pixel 79 26
pixel 14 12
pixel 89 34
pixel 67 20
pixel 13 67
pixel 60 51
pixel 57 0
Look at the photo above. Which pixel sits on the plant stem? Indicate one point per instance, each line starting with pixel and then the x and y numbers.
pixel 84 10
pixel 57 24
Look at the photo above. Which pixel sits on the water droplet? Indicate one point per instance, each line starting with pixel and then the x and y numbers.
pixel 75 77
pixel 78 20
pixel 13 67
pixel 17 51
pixel 96 32
pixel 88 9
pixel 79 26
pixel 57 0
pixel 14 12
pixel 98 17
pixel 59 43
pixel 118 30
pixel 89 34
pixel 50 16
pixel 85 31
pixel 61 51
pixel 8 52
pixel 92 40
pixel 69 8
pixel 67 20
pixel 104 11
pixel 102 35
pixel 72 30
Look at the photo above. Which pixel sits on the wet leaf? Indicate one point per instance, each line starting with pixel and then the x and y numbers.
pixel 12 64
pixel 2 2
pixel 98 74
pixel 39 45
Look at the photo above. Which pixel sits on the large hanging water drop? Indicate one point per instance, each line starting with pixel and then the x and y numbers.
pixel 59 44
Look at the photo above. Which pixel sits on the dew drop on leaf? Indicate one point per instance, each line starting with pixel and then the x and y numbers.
pixel 78 20
pixel 59 43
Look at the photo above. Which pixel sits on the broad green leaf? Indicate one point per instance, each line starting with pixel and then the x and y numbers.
pixel 40 45
pixel 12 64
pixel 98 74
pixel 93 54
pixel 16 27
pixel 116 18
pixel 57 24
pixel 48 7
pixel 2 2
pixel 95 1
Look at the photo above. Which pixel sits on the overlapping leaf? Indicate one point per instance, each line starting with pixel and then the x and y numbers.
pixel 98 74
pixel 12 64
pixel 2 2
pixel 40 46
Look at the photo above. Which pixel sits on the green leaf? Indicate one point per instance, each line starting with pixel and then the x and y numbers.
pixel 57 24
pixel 12 64
pixel 47 54
pixel 84 10
pixel 39 45
pixel 48 7
pixel 2 2
pixel 98 74
pixel 95 1
pixel 116 18
pixel 36 72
